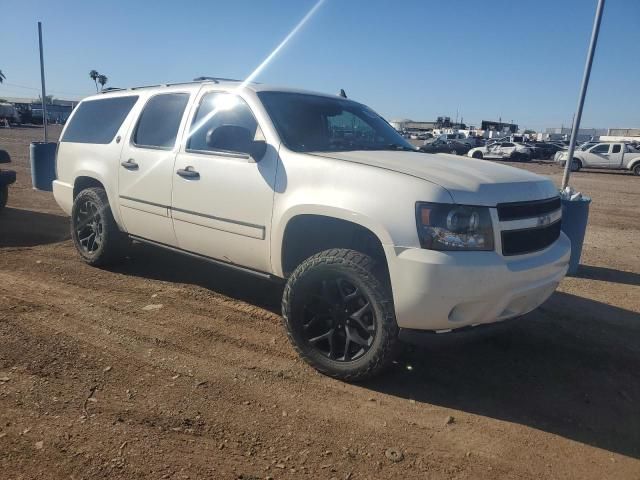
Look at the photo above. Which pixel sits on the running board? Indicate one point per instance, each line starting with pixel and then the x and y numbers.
pixel 221 263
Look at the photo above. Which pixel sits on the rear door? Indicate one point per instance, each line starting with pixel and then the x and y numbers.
pixel 615 155
pixel 146 168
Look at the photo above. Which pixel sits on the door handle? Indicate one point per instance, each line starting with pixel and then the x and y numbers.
pixel 130 164
pixel 189 173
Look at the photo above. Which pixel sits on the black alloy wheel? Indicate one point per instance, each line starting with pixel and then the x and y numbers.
pixel 338 310
pixel 89 227
pixel 339 321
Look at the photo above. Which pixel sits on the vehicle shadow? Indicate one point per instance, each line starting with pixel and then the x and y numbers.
pixel 571 368
pixel 26 228
pixel 156 263
pixel 604 274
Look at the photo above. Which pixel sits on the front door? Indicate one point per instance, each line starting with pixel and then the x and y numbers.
pixel 146 168
pixel 597 156
pixel 222 195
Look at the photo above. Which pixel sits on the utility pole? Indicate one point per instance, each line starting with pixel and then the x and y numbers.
pixel 583 92
pixel 44 90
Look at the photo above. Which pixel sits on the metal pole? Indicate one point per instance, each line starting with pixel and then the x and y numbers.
pixel 583 92
pixel 44 90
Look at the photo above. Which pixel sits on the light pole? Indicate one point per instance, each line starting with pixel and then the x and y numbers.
pixel 44 90
pixel 583 92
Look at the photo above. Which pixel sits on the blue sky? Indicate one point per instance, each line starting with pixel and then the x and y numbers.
pixel 521 61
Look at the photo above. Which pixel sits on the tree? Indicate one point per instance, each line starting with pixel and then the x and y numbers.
pixel 102 80
pixel 93 75
pixel 2 77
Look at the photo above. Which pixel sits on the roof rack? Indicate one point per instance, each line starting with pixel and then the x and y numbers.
pixel 215 79
pixel 195 80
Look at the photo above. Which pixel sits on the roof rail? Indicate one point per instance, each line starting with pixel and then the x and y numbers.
pixel 195 80
pixel 215 79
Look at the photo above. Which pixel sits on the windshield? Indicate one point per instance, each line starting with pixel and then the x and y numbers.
pixel 313 123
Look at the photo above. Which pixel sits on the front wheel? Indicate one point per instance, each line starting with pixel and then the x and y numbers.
pixel 454 152
pixel 576 165
pixel 477 155
pixel 94 231
pixel 339 315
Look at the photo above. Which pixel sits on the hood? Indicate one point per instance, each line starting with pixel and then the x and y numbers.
pixel 469 181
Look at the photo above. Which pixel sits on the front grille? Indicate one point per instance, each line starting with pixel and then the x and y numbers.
pixel 520 210
pixel 518 242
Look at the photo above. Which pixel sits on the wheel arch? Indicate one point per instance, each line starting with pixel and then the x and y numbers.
pixel 89 179
pixel 307 230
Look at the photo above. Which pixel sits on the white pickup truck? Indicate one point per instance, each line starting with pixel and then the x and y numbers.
pixel 370 235
pixel 613 156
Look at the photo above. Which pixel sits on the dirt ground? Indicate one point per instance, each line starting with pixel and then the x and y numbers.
pixel 165 367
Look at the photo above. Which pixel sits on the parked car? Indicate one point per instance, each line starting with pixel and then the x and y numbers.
pixel 7 177
pixel 612 156
pixel 458 137
pixel 502 151
pixel 548 150
pixel 441 146
pixel 369 235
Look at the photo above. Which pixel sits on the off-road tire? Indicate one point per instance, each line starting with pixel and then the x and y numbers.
pixel 477 155
pixel 113 243
pixel 636 169
pixel 4 196
pixel 363 272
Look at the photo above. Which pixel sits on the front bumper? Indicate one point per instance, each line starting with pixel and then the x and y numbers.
pixel 442 291
pixel 7 177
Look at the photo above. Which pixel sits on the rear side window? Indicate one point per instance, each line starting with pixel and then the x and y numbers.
pixel 159 121
pixel 616 149
pixel 98 121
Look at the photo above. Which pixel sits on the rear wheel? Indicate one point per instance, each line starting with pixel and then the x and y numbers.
pixel 339 315
pixel 94 231
pixel 477 155
pixel 636 169
pixel 454 152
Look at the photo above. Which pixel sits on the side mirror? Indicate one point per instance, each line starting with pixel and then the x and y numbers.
pixel 258 149
pixel 233 138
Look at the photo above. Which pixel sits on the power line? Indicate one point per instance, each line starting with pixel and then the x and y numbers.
pixel 37 89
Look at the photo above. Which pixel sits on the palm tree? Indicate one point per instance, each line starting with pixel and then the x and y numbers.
pixel 102 80
pixel 93 75
pixel 2 76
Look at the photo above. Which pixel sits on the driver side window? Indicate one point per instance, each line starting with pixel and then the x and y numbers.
pixel 222 109
pixel 602 148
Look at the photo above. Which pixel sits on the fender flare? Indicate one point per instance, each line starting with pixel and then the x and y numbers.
pixel 277 233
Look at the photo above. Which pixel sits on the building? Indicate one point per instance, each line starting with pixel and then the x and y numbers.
pixel 564 133
pixel 621 135
pixel 30 109
pixel 500 128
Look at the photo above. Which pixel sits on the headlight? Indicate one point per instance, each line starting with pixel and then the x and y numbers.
pixel 454 227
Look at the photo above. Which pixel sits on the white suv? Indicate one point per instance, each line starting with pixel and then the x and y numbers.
pixel 370 235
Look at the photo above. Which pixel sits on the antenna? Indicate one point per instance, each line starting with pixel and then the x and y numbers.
pixel 342 93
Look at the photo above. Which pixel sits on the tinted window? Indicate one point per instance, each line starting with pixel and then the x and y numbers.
pixel 602 148
pixel 616 149
pixel 309 123
pixel 218 109
pixel 160 119
pixel 98 121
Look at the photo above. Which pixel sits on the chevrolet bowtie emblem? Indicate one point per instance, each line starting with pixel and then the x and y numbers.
pixel 544 220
